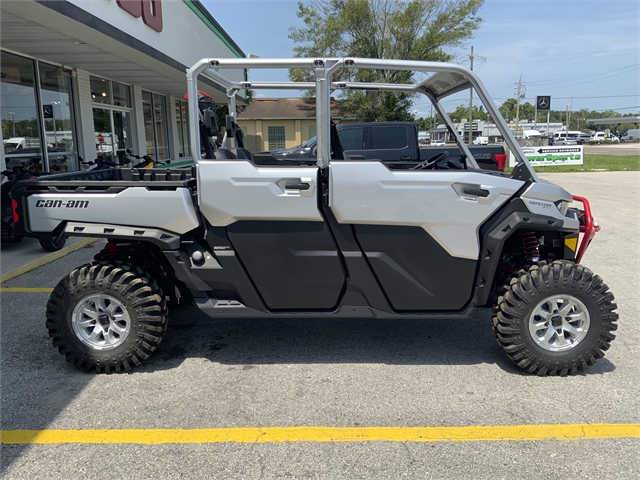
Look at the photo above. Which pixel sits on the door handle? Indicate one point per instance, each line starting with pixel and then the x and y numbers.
pixel 406 158
pixel 297 186
pixel 476 191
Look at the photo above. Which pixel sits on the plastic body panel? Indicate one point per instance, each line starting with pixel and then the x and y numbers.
pixel 414 270
pixel 171 210
pixel 369 193
pixel 294 265
pixel 234 190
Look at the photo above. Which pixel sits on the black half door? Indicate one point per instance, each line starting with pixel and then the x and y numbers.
pixel 414 270
pixel 293 264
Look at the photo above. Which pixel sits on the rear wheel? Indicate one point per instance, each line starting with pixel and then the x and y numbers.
pixel 51 243
pixel 106 318
pixel 555 319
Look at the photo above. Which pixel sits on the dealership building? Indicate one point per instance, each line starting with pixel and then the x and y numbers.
pixel 90 79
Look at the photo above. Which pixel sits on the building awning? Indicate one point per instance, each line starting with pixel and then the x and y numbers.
pixel 117 46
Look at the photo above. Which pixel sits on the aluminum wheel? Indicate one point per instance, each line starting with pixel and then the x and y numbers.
pixel 101 321
pixel 559 323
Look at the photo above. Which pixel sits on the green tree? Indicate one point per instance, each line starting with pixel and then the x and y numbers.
pixel 462 111
pixel 509 109
pixel 390 29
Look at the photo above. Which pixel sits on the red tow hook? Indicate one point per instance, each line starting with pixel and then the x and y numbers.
pixel 589 228
pixel 14 210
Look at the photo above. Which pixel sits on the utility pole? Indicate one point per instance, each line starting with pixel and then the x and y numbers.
pixel 569 109
pixel 471 104
pixel 518 93
pixel 13 122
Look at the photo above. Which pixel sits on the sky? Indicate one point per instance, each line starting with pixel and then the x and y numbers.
pixel 585 54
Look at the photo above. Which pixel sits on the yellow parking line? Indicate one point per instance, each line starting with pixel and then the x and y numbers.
pixel 325 434
pixel 21 289
pixel 47 259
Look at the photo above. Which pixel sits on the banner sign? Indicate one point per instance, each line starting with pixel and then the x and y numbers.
pixel 545 156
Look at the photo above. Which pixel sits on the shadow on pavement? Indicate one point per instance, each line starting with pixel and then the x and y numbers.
pixel 333 340
pixel 37 384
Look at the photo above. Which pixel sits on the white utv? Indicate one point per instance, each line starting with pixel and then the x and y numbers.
pixel 331 236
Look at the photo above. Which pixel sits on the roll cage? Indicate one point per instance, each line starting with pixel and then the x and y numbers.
pixel 445 79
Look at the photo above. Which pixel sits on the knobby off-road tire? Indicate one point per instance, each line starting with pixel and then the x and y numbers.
pixel 106 317
pixel 555 318
pixel 51 244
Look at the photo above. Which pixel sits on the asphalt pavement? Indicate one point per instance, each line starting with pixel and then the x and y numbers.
pixel 211 374
pixel 616 149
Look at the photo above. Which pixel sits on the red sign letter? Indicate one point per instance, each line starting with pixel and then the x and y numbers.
pixel 152 14
pixel 134 7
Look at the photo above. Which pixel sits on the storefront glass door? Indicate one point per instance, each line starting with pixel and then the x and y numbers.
pixel 19 113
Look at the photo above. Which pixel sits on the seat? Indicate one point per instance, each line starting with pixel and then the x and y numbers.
pixel 223 154
pixel 242 153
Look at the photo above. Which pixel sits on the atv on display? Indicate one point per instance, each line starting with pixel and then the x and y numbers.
pixel 239 236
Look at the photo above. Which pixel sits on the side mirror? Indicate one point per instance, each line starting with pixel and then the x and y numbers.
pixel 210 124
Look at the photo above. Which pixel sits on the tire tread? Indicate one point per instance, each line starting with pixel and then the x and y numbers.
pixel 528 287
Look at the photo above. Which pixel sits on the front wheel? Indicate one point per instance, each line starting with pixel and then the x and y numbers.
pixel 52 244
pixel 106 318
pixel 555 319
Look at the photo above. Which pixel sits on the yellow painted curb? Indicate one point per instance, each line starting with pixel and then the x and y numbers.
pixel 325 434
pixel 48 259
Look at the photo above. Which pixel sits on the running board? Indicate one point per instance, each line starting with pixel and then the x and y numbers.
pixel 216 308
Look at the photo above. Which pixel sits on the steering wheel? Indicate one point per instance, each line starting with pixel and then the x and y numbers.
pixel 431 162
pixel 455 165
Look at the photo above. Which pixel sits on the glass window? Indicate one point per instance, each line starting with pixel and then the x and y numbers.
pixel 155 125
pixel 351 138
pixel 122 134
pixel 112 125
pixel 57 112
pixel 102 133
pixel 160 116
pixel 20 127
pixel 312 131
pixel 182 124
pixel 100 90
pixel 121 95
pixel 389 137
pixel 147 113
pixel 276 136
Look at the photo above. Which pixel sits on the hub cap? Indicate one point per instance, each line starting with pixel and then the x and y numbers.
pixel 559 323
pixel 101 322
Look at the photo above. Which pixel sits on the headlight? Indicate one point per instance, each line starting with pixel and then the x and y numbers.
pixel 562 206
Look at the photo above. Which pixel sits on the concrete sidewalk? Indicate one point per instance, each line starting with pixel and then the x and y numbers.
pixel 21 257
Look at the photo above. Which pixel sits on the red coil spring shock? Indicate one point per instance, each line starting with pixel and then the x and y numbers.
pixel 530 246
pixel 111 250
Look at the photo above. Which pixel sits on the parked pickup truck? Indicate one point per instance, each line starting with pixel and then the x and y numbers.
pixel 390 141
pixel 237 236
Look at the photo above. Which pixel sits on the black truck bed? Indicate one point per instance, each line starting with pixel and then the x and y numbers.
pixel 109 180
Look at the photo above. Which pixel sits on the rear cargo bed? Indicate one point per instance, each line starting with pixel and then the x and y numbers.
pixel 152 198
pixel 110 180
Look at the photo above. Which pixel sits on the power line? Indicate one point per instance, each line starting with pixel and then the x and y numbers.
pixel 592 74
pixel 569 98
pixel 530 57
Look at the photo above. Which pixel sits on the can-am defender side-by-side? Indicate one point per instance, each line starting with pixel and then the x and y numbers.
pixel 240 236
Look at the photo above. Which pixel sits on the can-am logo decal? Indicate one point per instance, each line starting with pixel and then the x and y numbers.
pixel 62 203
pixel 149 10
